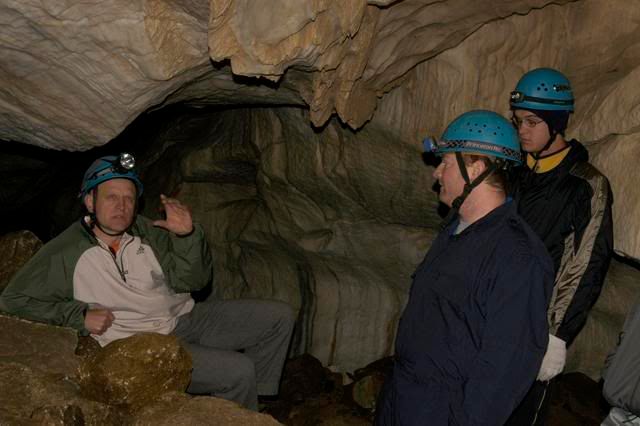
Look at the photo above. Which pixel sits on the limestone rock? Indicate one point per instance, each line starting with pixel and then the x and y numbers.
pixel 38 371
pixel 325 410
pixel 365 391
pixel 132 372
pixel 368 381
pixel 179 409
pixel 28 395
pixel 356 51
pixel 94 66
pixel 600 334
pixel 59 415
pixel 303 376
pixel 16 249
pixel 318 227
pixel 121 58
pixel 616 157
pixel 482 69
pixel 577 401
pixel 49 349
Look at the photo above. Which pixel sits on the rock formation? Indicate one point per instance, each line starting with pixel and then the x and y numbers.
pixel 301 155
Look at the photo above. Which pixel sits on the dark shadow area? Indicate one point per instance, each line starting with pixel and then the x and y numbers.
pixel 432 160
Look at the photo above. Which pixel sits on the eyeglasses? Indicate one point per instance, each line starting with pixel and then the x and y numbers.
pixel 529 122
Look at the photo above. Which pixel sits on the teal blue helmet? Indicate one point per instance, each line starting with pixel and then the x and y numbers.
pixel 543 89
pixel 110 167
pixel 479 132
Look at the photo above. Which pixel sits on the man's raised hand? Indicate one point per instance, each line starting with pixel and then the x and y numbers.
pixel 178 218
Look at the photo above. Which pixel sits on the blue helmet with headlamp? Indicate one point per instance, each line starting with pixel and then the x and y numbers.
pixel 110 167
pixel 479 132
pixel 543 89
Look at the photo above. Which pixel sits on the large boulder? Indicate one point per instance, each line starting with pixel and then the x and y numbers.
pixel 38 376
pixel 133 372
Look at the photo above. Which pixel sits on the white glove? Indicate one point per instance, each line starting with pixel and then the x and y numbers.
pixel 554 359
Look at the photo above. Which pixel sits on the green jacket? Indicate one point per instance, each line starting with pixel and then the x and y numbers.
pixel 43 289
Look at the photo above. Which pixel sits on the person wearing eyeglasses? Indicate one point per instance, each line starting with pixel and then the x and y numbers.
pixel 474 330
pixel 114 273
pixel 567 202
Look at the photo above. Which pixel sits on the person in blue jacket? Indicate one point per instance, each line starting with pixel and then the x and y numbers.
pixel 473 334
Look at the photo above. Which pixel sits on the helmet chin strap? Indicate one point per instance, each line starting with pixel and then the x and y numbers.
pixel 468 187
pixel 536 155
pixel 94 223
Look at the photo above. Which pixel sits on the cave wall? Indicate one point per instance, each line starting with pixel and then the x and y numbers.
pixel 597 45
pixel 317 194
pixel 307 217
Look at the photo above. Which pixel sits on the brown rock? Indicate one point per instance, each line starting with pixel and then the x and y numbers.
pixel 180 409
pixel 326 410
pixel 44 347
pixel 600 334
pixel 365 391
pixel 576 400
pixel 66 415
pixel 303 376
pixel 28 396
pixel 16 248
pixel 134 371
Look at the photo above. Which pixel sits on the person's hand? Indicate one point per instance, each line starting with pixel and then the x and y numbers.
pixel 554 359
pixel 98 319
pixel 178 218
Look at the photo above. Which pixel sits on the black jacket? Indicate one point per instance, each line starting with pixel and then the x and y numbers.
pixel 569 207
pixel 473 334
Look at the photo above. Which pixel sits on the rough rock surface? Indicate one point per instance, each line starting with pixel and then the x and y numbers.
pixel 332 221
pixel 132 372
pixel 38 371
pixel 616 157
pixel 43 381
pixel 576 400
pixel 316 224
pixel 28 394
pixel 93 67
pixel 179 409
pixel 604 324
pixel 49 349
pixel 16 248
pixel 481 71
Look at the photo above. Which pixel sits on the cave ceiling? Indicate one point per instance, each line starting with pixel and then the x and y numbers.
pixel 75 74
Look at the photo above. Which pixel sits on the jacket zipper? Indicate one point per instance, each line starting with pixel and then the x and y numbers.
pixel 120 268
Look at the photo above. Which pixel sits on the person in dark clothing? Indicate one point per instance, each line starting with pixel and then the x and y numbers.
pixel 567 202
pixel 474 331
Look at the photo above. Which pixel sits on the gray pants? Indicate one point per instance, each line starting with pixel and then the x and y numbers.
pixel 213 333
pixel 620 417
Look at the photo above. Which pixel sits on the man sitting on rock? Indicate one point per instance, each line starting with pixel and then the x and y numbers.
pixel 113 274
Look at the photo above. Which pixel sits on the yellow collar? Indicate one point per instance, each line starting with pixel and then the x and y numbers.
pixel 545 164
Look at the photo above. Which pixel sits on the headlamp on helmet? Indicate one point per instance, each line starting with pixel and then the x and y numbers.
pixel 543 89
pixel 430 145
pixel 111 167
